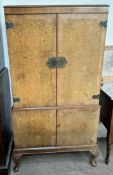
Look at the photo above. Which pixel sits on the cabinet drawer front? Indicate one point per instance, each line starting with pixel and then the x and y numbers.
pixel 77 127
pixel 81 42
pixel 34 128
pixel 31 41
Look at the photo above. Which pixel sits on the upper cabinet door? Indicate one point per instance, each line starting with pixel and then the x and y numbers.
pixel 31 41
pixel 81 42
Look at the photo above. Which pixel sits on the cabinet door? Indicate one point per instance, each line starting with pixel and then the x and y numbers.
pixel 31 40
pixel 77 126
pixel 34 128
pixel 81 42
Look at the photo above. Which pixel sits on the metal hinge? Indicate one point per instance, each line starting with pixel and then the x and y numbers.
pixel 103 24
pixel 96 96
pixel 9 25
pixel 16 100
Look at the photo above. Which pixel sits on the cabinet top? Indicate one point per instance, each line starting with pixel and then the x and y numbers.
pixel 77 9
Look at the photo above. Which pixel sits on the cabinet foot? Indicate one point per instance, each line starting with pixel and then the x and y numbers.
pixel 16 168
pixel 93 161
pixel 94 155
pixel 16 160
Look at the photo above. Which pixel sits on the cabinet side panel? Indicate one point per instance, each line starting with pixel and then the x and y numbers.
pixel 31 41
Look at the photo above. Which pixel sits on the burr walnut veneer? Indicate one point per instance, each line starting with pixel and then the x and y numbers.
pixel 56 56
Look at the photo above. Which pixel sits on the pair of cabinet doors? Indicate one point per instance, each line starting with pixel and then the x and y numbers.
pixel 32 40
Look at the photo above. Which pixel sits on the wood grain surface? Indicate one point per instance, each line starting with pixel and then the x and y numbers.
pixel 34 128
pixel 56 107
pixel 81 42
pixel 31 42
pixel 77 9
pixel 77 127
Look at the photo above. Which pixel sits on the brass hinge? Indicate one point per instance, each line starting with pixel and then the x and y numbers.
pixel 9 25
pixel 16 100
pixel 103 24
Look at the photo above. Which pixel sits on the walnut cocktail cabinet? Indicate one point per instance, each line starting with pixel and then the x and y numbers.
pixel 56 58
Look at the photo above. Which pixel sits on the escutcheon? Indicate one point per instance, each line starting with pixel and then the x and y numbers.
pixel 56 62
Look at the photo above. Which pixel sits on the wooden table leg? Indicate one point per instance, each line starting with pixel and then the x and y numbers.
pixel 108 149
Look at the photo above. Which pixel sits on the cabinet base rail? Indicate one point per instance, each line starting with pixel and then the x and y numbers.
pixel 18 153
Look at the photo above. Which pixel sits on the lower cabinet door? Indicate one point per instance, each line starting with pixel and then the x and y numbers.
pixel 34 128
pixel 77 126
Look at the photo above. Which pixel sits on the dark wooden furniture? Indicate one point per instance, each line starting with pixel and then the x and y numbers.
pixel 5 124
pixel 56 56
pixel 106 117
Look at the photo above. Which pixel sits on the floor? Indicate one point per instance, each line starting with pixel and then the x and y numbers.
pixel 66 164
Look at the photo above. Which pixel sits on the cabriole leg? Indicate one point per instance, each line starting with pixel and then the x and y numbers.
pixel 94 155
pixel 16 160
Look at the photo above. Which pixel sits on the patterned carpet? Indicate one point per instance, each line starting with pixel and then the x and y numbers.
pixel 66 164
